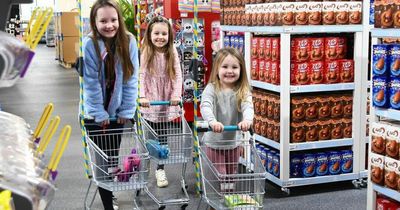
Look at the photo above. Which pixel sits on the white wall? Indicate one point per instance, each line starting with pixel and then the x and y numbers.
pixel 58 5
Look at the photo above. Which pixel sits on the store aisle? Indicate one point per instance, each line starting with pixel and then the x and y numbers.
pixel 47 82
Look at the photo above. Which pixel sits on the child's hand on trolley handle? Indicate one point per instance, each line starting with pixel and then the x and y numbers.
pixel 218 127
pixel 144 102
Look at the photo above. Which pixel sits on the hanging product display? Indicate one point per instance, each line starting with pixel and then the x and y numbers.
pixel 184 42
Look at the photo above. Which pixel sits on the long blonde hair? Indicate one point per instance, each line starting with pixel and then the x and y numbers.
pixel 148 49
pixel 242 86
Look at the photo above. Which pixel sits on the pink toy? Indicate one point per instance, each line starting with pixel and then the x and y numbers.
pixel 130 164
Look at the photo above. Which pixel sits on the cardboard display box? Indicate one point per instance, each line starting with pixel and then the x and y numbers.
pixel 68 49
pixel 67 23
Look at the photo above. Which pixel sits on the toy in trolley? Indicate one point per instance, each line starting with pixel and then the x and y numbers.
pixel 168 139
pixel 233 176
pixel 119 161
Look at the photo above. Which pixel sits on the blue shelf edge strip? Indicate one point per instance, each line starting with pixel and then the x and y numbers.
pixel 304 88
pixel 388 113
pixel 387 192
pixel 295 182
pixel 389 32
pixel 294 29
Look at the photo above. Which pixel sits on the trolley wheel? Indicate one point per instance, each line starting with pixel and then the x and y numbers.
pixel 286 190
pixel 363 183
pixel 356 184
pixel 161 208
pixel 183 207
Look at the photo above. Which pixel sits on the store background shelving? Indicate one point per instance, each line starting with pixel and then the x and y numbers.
pixel 285 89
pixel 375 116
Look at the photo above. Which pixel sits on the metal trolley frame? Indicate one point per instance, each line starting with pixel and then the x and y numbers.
pixel 233 176
pixel 169 140
pixel 115 167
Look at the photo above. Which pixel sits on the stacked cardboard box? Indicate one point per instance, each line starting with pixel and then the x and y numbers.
pixel 67 39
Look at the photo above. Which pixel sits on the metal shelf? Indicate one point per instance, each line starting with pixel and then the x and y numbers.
pixel 234 28
pixel 293 182
pixel 364 174
pixel 304 88
pixel 266 86
pixel 387 192
pixel 274 179
pixel 389 32
pixel 294 29
pixel 321 144
pixel 267 141
pixel 321 87
pixel 388 113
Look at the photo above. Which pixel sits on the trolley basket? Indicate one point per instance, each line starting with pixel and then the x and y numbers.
pixel 118 158
pixel 167 135
pixel 233 176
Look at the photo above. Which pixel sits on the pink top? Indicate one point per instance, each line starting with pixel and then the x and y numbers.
pixel 159 87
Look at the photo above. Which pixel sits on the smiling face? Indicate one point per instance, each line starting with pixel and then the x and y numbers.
pixel 229 72
pixel 107 21
pixel 159 35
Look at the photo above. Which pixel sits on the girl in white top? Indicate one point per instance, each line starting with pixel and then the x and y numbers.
pixel 226 100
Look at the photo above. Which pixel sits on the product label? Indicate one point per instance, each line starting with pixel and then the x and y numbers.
pixel 322 164
pixel 380 92
pixel 334 163
pixel 308 167
pixel 347 161
pixel 394 60
pixel 379 60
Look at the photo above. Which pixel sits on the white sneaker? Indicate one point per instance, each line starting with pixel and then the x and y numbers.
pixel 115 203
pixel 161 178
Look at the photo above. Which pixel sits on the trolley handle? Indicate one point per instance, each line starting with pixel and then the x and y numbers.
pixel 204 127
pixel 112 119
pixel 161 103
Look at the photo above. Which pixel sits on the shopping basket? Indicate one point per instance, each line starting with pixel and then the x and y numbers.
pixel 233 176
pixel 117 168
pixel 169 140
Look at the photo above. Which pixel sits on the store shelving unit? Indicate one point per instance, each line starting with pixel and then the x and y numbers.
pixel 285 90
pixel 365 84
pixel 376 114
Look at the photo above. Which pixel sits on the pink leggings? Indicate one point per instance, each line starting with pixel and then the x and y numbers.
pixel 225 161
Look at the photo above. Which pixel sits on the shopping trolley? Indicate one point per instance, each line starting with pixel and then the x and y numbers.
pixel 116 167
pixel 233 176
pixel 168 139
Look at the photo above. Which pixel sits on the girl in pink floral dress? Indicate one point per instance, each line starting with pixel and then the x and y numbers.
pixel 160 79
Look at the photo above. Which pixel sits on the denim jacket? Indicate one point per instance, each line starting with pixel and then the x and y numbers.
pixel 123 100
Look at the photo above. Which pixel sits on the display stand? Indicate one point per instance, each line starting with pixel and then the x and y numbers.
pixel 285 90
pixel 171 11
pixel 378 114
